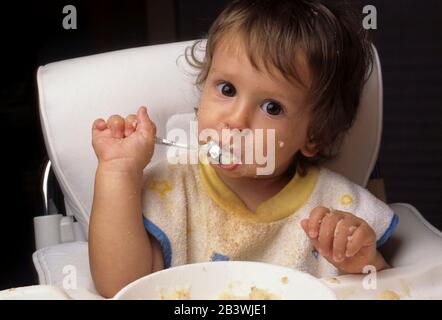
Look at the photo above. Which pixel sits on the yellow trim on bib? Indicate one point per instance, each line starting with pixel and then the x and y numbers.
pixel 284 203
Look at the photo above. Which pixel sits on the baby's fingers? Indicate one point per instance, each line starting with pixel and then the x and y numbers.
pixel 327 233
pixel 343 234
pixel 116 125
pixel 315 221
pixel 130 125
pixel 98 126
pixel 363 236
pixel 305 226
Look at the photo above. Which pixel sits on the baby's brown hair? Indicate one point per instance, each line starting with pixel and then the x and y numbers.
pixel 336 46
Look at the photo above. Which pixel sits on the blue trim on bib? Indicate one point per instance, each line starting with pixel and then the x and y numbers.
pixel 315 253
pixel 162 239
pixel 219 257
pixel 389 231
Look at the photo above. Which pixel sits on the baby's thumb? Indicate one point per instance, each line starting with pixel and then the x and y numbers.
pixel 314 241
pixel 144 125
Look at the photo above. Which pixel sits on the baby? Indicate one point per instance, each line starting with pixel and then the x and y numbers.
pixel 292 68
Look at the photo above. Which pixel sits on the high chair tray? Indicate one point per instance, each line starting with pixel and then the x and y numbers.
pixel 416 282
pixel 41 292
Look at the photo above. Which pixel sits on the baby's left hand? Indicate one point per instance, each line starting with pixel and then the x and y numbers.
pixel 345 240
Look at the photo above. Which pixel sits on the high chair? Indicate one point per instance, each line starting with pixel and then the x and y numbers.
pixel 73 93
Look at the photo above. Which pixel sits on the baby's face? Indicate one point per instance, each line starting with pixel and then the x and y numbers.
pixel 237 96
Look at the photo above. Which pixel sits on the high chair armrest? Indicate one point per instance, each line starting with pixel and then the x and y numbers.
pixel 415 240
pixel 66 266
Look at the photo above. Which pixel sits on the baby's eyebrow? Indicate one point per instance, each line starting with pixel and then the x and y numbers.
pixel 215 70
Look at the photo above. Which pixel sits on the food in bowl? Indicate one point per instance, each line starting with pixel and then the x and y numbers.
pixel 254 294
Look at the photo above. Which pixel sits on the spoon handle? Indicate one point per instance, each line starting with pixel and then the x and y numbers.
pixel 170 143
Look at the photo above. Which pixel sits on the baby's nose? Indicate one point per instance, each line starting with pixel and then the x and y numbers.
pixel 241 113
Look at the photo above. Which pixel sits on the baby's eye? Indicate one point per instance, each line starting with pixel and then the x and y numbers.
pixel 226 89
pixel 272 108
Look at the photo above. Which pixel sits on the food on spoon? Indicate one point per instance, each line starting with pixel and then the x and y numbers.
pixel 217 154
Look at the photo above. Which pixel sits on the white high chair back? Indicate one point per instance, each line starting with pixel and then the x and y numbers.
pixel 73 93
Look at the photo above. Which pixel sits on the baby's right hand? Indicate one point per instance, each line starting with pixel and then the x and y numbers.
pixel 125 143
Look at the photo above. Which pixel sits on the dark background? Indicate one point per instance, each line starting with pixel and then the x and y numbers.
pixel 408 39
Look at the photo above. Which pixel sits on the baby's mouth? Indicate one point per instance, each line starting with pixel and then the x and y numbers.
pixel 218 155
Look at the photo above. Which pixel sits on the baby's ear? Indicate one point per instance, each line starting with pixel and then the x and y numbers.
pixel 309 150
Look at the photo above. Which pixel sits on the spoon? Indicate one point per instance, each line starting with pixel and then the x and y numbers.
pixel 214 151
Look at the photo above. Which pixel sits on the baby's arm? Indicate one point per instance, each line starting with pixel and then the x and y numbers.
pixel 345 240
pixel 120 249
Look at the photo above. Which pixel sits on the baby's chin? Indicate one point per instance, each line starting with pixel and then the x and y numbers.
pixel 241 171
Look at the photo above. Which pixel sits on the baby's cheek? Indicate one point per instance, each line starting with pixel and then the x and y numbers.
pixel 285 151
pixel 204 123
pixel 207 118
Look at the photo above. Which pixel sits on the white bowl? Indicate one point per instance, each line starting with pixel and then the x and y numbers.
pixel 215 280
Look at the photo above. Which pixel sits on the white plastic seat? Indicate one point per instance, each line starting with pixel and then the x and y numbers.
pixel 72 93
